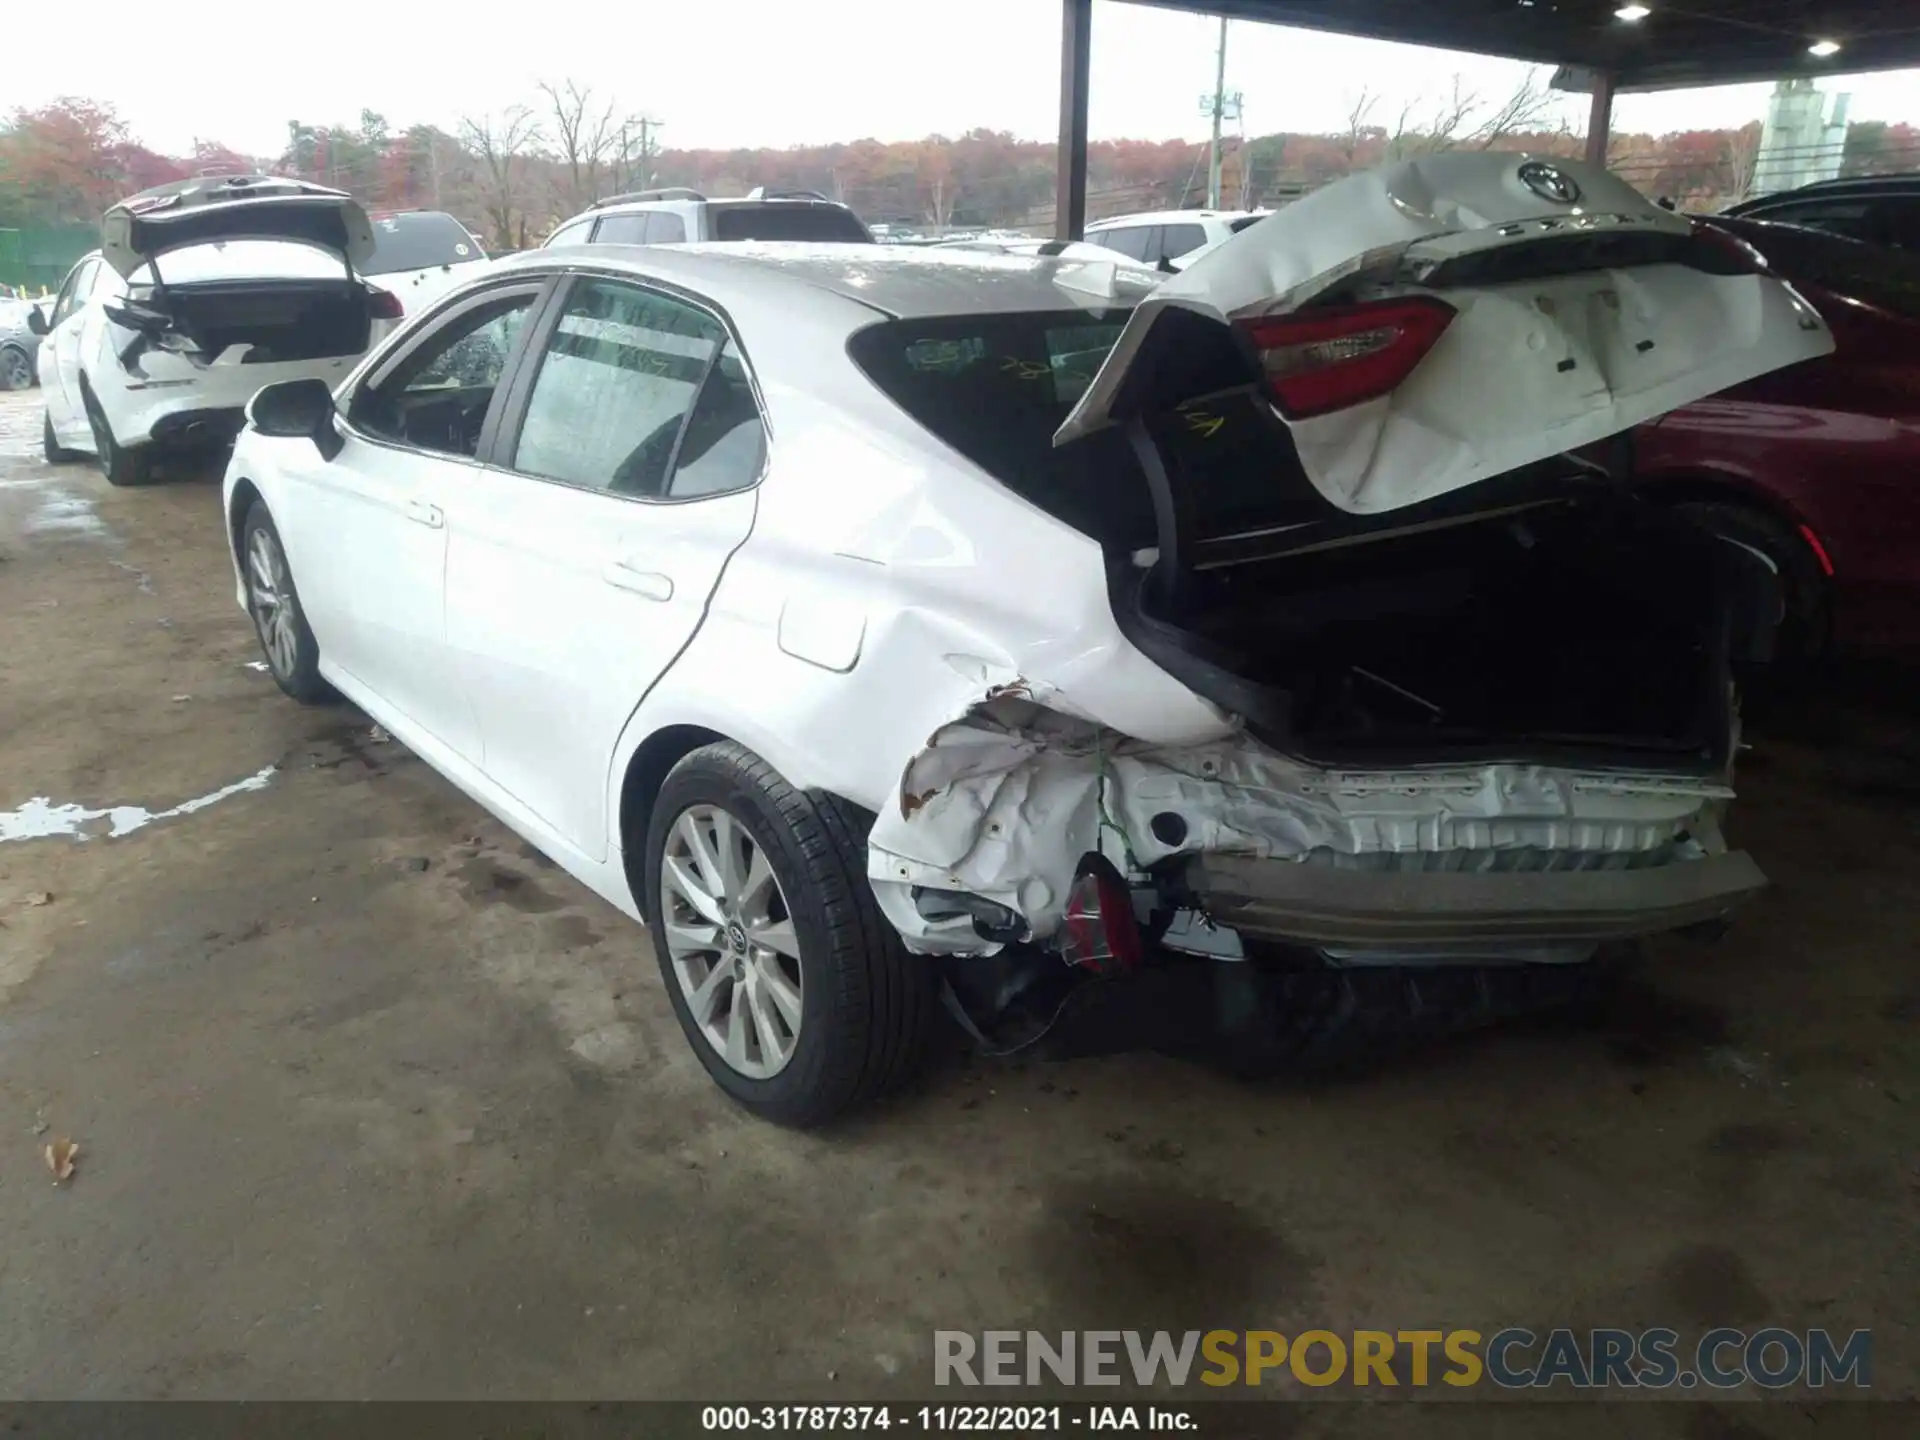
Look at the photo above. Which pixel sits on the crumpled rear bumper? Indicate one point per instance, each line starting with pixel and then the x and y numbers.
pixel 1316 905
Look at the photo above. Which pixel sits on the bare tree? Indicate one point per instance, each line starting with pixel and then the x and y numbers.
pixel 502 144
pixel 1463 121
pixel 1529 109
pixel 1357 127
pixel 587 136
pixel 1743 159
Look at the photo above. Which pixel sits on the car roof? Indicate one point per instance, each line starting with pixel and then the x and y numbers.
pixel 905 282
pixel 1164 216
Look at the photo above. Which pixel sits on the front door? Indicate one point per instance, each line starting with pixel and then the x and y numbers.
pixel 60 356
pixel 581 562
pixel 375 516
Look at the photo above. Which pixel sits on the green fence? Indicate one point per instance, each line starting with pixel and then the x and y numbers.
pixel 33 260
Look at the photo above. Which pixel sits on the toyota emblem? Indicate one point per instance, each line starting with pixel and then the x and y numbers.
pixel 1549 182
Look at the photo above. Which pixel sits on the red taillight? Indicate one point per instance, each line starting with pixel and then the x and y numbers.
pixel 384 304
pixel 1317 361
pixel 1099 933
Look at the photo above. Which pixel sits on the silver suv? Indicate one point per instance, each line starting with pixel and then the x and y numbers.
pixel 676 216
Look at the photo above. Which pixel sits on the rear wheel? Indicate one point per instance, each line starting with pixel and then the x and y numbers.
pixel 50 447
pixel 791 987
pixel 120 465
pixel 291 653
pixel 1805 625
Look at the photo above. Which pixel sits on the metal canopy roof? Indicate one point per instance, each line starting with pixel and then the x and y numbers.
pixel 1693 42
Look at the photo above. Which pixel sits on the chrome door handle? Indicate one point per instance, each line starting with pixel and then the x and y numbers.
pixel 650 583
pixel 421 513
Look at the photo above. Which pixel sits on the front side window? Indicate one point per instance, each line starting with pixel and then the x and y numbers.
pixel 1129 240
pixel 622 229
pixel 437 398
pixel 615 385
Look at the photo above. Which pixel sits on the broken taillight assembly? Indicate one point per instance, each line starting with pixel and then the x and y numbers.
pixel 1100 933
pixel 384 304
pixel 1318 361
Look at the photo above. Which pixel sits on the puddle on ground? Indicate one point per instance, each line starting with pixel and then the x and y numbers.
pixel 41 819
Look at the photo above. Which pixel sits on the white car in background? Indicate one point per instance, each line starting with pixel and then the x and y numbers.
pixel 1168 235
pixel 203 291
pixel 419 255
pixel 886 623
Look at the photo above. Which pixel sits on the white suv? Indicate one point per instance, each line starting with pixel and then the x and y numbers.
pixel 676 216
pixel 1169 234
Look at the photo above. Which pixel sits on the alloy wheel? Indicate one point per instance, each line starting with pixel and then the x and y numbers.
pixel 271 594
pixel 731 941
pixel 16 371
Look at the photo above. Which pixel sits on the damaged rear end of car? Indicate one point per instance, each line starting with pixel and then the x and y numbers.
pixel 232 283
pixel 1358 480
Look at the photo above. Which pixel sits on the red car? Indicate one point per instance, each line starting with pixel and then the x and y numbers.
pixel 1818 465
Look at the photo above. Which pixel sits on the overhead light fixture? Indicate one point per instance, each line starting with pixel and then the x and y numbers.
pixel 1824 48
pixel 1631 13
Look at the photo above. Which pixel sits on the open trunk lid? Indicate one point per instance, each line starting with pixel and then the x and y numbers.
pixel 1444 320
pixel 234 207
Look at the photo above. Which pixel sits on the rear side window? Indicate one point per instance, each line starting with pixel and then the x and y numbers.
pixel 665 228
pixel 1236 226
pixel 619 376
pixel 996 387
pixel 418 242
pixel 790 221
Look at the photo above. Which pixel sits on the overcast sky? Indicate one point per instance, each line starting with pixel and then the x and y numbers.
pixel 726 73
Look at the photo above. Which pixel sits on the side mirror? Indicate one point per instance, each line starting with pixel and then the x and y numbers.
pixel 37 320
pixel 295 408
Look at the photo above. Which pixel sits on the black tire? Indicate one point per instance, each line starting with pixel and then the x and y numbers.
pixel 16 368
pixel 54 452
pixel 1806 628
pixel 295 664
pixel 866 1005
pixel 120 465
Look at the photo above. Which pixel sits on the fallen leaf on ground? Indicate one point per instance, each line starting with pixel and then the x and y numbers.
pixel 40 897
pixel 60 1157
pixel 378 735
pixel 39 1127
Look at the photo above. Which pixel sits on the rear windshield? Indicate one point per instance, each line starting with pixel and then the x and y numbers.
pixel 1875 274
pixel 787 222
pixel 418 242
pixel 996 387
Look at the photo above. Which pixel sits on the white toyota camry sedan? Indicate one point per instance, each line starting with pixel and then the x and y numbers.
pixel 889 626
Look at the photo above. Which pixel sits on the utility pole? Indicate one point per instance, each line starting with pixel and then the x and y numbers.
pixel 1219 103
pixel 647 126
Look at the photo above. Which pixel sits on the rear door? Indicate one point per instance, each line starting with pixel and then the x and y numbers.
pixel 581 559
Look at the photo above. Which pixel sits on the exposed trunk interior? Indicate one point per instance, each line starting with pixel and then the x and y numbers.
pixel 1596 628
pixel 281 319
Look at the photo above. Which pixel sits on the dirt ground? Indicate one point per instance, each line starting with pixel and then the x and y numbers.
pixel 374 1102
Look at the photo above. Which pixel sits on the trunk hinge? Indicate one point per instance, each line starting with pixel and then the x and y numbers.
pixel 1172 518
